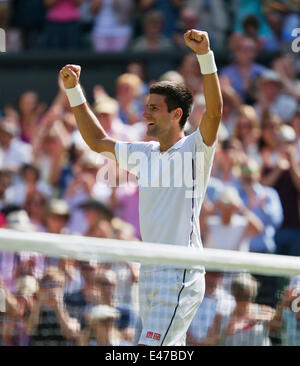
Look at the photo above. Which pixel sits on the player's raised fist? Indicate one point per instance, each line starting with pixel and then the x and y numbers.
pixel 198 41
pixel 70 75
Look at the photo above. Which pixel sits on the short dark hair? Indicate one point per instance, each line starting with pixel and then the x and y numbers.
pixel 177 96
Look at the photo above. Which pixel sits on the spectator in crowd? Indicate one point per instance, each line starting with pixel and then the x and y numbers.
pixel 14 265
pixel 138 68
pixel 124 203
pixel 189 70
pixel 28 184
pixel 49 321
pixel 284 176
pixel 268 142
pixel 101 330
pixel 13 152
pixel 128 95
pixel 229 155
pixel 112 29
pixel 244 9
pixel 35 205
pixel 188 19
pixel 57 216
pixel 243 70
pixel 232 224
pixel 30 111
pixel 271 98
pixel 248 323
pixel 264 202
pixel 5 182
pixel 50 151
pixel 214 17
pixel 216 301
pixel 152 39
pixel 232 101
pixel 287 316
pixel 83 291
pixel 247 130
pixel 18 308
pixel 275 13
pixel 106 110
pixel 196 114
pixel 62 28
pixel 95 213
pixel 295 123
pixel 286 69
pixel 28 19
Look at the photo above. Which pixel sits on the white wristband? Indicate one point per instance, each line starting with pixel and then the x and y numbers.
pixel 207 63
pixel 75 96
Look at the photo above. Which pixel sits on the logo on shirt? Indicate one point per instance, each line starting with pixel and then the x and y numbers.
pixel 152 335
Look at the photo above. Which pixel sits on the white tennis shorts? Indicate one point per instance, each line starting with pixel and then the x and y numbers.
pixel 169 299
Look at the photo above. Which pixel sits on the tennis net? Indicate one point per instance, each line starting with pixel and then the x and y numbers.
pixel 74 290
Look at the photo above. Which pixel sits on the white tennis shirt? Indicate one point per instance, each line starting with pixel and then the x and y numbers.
pixel 172 186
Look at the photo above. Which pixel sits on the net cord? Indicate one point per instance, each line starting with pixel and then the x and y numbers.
pixel 112 250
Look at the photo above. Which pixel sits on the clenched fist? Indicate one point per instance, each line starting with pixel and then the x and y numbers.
pixel 198 41
pixel 70 75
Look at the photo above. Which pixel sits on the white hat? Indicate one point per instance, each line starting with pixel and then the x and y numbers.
pixel 19 220
pixel 103 312
pixel 27 285
pixel 107 105
pixel 287 133
pixel 230 196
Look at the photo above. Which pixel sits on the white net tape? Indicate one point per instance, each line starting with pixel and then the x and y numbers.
pixel 86 248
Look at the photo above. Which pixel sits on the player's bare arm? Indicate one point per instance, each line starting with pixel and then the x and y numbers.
pixel 90 128
pixel 198 41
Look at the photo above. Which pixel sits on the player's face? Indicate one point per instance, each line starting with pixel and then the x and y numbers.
pixel 157 116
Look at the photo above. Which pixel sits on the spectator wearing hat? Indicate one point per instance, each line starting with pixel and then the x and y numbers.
pixel 107 111
pixel 101 330
pixel 18 307
pixel 23 263
pixel 271 97
pixel 57 216
pixel 13 152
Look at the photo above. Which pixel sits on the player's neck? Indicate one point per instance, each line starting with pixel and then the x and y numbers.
pixel 170 140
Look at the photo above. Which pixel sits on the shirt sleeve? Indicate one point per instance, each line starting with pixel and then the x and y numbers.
pixel 130 155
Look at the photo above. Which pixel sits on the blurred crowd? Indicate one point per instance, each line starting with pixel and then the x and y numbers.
pixel 143 25
pixel 51 182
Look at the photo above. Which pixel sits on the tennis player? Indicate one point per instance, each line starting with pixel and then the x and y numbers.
pixel 169 214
